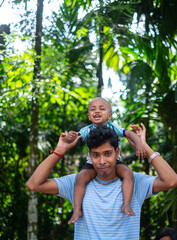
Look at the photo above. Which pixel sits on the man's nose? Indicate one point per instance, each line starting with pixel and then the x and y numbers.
pixel 102 160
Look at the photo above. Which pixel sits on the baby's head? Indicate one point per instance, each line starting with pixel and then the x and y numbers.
pixel 99 111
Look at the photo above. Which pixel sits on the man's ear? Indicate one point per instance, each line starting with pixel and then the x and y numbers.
pixel 117 152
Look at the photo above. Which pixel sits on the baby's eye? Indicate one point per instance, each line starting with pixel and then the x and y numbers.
pixel 102 109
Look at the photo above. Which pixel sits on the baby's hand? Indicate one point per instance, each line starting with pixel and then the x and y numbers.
pixel 140 151
pixel 70 136
pixel 141 132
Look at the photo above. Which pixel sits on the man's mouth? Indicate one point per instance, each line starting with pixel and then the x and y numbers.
pixel 104 169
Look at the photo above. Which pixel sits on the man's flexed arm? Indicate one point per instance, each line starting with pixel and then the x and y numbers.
pixel 39 181
pixel 167 178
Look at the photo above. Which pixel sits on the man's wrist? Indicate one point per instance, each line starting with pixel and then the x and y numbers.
pixel 58 153
pixel 155 154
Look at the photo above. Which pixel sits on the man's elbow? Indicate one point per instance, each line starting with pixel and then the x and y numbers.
pixel 31 186
pixel 173 183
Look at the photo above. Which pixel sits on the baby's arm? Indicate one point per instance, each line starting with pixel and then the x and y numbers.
pixel 70 136
pixel 127 187
pixel 136 142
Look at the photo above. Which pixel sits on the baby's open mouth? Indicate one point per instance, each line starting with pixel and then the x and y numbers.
pixel 97 117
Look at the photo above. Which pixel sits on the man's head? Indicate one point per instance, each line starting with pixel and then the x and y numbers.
pixel 103 149
pixel 99 111
pixel 167 234
pixel 100 135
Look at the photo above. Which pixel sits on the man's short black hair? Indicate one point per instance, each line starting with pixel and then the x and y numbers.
pixel 100 135
pixel 164 232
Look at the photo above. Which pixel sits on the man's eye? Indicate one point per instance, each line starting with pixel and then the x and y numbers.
pixel 95 155
pixel 108 154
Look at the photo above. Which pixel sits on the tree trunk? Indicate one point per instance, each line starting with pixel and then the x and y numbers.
pixel 34 155
pixel 100 67
pixel 3 29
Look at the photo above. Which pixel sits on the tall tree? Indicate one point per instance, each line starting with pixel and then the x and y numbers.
pixel 34 156
pixel 100 50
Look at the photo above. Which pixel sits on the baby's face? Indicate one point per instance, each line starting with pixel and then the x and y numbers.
pixel 99 112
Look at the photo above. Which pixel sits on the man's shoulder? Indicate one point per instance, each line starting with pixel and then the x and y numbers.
pixel 142 175
pixel 141 180
pixel 66 186
pixel 137 175
pixel 143 186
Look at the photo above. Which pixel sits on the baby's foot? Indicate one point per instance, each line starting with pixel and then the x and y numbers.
pixel 76 215
pixel 127 209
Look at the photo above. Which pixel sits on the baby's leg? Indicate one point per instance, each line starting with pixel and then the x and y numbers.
pixel 127 187
pixel 83 177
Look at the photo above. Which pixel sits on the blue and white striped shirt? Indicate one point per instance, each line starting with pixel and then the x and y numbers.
pixel 102 217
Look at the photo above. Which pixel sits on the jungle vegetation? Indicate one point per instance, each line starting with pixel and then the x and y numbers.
pixel 51 65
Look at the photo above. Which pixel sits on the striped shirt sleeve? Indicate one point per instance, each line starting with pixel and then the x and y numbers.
pixel 144 185
pixel 66 186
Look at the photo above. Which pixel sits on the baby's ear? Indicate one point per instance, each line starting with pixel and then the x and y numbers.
pixel 109 116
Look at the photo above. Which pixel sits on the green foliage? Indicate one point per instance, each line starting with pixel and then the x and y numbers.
pixel 67 83
pixel 171 204
pixel 13 160
pixel 152 218
pixel 63 98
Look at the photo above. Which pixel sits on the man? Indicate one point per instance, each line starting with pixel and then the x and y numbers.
pixel 102 217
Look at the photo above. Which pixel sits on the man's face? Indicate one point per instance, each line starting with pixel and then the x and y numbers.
pixel 104 161
pixel 99 112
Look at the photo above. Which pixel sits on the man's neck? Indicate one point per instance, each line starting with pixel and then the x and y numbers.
pixel 106 182
pixel 107 178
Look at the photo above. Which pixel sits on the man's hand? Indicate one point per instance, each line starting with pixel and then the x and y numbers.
pixel 70 136
pixel 63 146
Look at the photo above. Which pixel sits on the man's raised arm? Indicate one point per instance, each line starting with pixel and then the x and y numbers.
pixel 167 178
pixel 39 181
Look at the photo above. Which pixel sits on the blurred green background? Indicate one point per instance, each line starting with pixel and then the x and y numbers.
pixel 54 57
